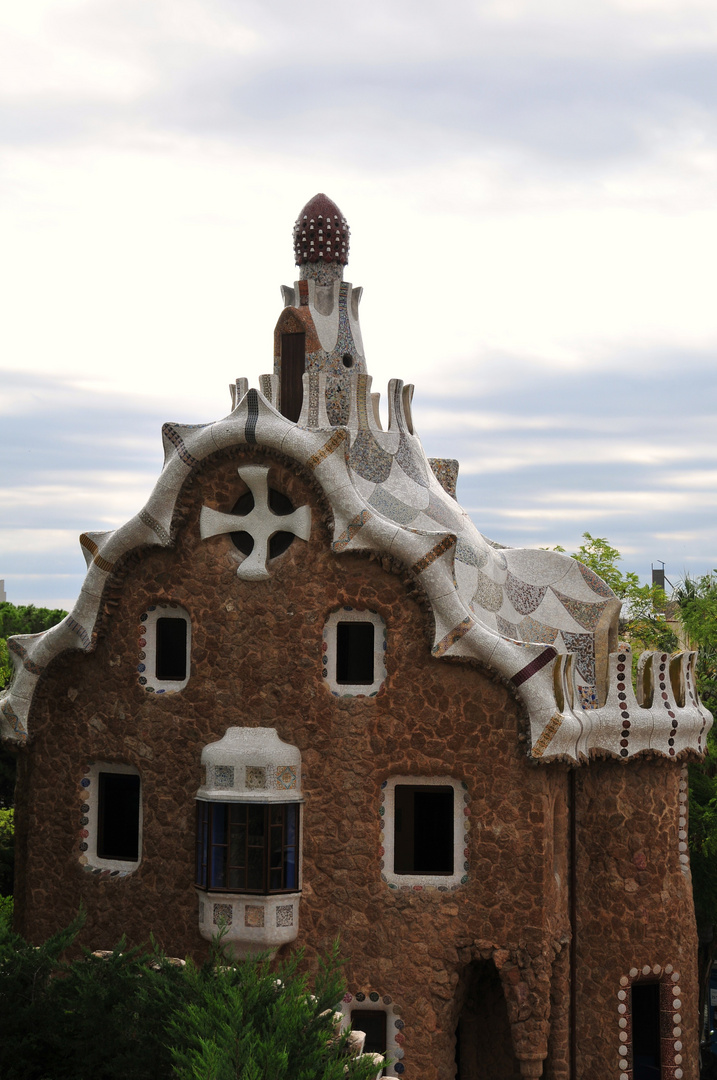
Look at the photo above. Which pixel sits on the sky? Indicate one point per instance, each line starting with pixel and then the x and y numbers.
pixel 530 186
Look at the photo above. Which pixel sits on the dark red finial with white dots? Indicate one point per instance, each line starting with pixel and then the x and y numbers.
pixel 321 233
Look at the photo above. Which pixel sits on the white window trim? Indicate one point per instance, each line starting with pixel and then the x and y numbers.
pixel 349 614
pixel 394 1024
pixel 90 793
pixel 461 825
pixel 147 666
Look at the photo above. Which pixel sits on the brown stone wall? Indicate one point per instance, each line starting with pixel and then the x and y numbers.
pixel 256 653
pixel 634 910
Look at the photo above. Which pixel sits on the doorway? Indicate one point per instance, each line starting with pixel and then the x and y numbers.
pixel 484 1045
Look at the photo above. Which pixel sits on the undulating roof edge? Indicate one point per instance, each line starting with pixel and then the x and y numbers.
pixel 467 581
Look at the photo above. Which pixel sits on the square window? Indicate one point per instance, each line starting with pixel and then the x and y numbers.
pixel 247 847
pixel 423 829
pixel 425 836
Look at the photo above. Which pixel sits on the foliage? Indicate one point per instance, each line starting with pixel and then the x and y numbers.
pixel 22 619
pixel 7 839
pixel 136 1013
pixel 253 1023
pixel 641 620
pixel 14 619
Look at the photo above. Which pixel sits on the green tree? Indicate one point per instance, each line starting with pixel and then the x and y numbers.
pixel 642 620
pixel 697 608
pixel 136 1013
pixel 256 1023
pixel 14 619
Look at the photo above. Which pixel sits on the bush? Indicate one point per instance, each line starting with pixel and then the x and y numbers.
pixel 137 1014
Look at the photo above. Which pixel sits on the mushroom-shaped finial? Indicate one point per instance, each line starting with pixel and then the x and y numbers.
pixel 321 233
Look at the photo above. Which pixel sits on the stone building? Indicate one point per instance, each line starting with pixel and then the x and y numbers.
pixel 301 695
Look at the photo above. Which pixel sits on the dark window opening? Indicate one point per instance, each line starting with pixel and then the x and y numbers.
pixel 354 653
pixel 646 1031
pixel 293 363
pixel 280 505
pixel 118 817
pixel 171 649
pixel 423 823
pixel 373 1023
pixel 248 847
pixel 347 360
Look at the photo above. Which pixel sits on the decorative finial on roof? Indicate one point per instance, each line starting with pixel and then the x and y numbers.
pixel 321 233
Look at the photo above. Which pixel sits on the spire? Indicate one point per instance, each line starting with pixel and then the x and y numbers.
pixel 321 235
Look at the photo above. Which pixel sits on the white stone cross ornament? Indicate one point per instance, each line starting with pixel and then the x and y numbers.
pixel 261 522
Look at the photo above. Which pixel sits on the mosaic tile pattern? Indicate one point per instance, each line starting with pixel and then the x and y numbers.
pixel 336 440
pixel 222 914
pixel 146 518
pixel 19 649
pixel 286 776
pixel 549 731
pixel 392 508
pixel 488 594
pixel 255 778
pixel 435 553
pixel 469 555
pixel 285 915
pixel 445 471
pixel 583 646
pixel 588 615
pixel 453 636
pixel 78 629
pixel 533 667
pixel 253 915
pixel 88 543
pixel 532 630
pixel 350 531
pixel 594 582
pixel 525 598
pixel 223 776
pixel 587 697
pixel 440 513
pixel 368 459
pixel 175 438
pixel 507 629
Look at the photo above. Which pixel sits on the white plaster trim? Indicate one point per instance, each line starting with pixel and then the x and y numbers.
pixel 328 656
pixel 461 825
pixel 147 666
pixel 89 858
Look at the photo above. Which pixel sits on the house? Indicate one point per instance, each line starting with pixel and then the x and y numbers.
pixel 300 695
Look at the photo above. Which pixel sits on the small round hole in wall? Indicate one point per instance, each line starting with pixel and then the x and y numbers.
pixel 347 360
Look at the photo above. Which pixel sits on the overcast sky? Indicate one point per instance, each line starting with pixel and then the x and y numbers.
pixel 531 188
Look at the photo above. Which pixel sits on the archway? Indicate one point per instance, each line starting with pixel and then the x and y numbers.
pixel 484 1047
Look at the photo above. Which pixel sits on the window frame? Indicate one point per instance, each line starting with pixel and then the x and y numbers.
pixel 370 1000
pixel 461 825
pixel 90 820
pixel 205 846
pixel 147 664
pixel 329 655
